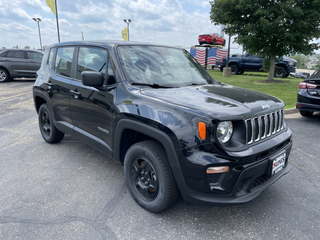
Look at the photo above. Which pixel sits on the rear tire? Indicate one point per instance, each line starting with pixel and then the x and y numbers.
pixel 149 177
pixel 305 113
pixel 4 75
pixel 48 130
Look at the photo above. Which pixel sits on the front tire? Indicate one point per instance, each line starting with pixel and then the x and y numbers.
pixel 4 75
pixel 48 130
pixel 280 72
pixel 149 177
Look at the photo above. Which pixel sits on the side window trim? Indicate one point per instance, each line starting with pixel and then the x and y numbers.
pixel 75 62
pixel 108 76
pixel 54 52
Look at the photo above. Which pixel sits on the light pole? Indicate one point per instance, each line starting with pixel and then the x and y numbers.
pixel 38 20
pixel 127 22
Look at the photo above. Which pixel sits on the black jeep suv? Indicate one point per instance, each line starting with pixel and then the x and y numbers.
pixel 156 110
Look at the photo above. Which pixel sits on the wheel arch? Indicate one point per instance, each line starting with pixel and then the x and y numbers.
pixel 285 66
pixel 40 98
pixel 129 132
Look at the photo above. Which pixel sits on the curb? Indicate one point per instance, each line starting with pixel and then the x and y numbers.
pixel 290 111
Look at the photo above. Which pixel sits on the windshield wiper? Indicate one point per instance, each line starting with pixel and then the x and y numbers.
pixel 194 84
pixel 154 85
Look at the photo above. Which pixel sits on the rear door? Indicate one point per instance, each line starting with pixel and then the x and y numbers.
pixel 34 62
pixel 17 63
pixel 93 109
pixel 253 63
pixel 59 85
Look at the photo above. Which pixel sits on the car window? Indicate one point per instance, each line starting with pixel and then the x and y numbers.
pixel 37 57
pixel 51 55
pixel 92 59
pixel 15 54
pixel 63 61
pixel 3 54
pixel 316 74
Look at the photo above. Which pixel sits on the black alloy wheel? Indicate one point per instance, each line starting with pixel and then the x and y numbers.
pixel 280 72
pixel 48 131
pixel 149 178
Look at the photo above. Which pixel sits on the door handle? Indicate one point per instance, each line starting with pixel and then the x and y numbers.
pixel 75 93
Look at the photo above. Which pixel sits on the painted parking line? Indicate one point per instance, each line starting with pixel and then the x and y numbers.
pixel 18 95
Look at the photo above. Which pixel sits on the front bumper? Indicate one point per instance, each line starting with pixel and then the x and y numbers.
pixel 245 180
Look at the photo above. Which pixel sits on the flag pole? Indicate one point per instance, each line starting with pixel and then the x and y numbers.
pixel 55 2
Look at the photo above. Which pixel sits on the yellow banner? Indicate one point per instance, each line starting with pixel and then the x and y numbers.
pixel 125 34
pixel 51 4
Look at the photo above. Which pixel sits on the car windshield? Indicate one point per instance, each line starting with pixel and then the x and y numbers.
pixel 161 66
pixel 316 74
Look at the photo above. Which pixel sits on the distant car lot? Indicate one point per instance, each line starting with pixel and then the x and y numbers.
pixel 19 63
pixel 78 193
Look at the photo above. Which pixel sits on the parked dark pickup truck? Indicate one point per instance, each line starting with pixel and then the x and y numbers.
pixel 254 63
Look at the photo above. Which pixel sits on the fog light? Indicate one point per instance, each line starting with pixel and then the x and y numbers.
pixel 222 169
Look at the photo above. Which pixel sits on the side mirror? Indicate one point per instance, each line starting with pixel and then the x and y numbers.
pixel 92 79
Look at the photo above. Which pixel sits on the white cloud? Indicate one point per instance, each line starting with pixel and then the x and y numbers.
pixel 170 22
pixel 21 13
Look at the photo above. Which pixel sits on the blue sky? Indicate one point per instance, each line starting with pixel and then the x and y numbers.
pixel 170 22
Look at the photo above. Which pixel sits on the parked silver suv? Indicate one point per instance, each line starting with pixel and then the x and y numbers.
pixel 18 63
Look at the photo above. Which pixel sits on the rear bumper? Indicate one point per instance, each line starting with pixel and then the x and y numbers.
pixel 308 107
pixel 307 102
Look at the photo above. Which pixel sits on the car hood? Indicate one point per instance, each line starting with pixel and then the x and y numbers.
pixel 218 100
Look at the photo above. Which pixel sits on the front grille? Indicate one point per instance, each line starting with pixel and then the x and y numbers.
pixel 264 126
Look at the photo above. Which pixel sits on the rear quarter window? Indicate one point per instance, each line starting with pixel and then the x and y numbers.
pixel 51 57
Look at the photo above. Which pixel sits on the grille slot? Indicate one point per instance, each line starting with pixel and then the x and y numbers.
pixel 258 128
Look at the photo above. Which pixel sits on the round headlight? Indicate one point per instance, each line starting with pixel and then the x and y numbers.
pixel 224 131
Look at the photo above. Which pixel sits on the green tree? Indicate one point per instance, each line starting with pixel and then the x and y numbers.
pixel 302 61
pixel 26 47
pixel 270 27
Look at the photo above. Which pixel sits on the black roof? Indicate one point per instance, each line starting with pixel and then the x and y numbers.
pixel 106 43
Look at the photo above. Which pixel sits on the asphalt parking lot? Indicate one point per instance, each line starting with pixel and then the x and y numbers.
pixel 71 191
